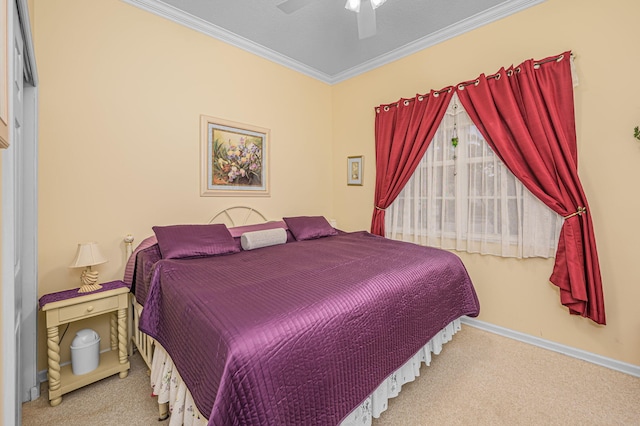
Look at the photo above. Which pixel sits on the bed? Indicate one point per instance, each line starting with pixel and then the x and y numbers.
pixel 319 328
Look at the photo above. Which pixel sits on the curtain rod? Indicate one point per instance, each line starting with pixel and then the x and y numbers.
pixel 462 85
pixel 510 72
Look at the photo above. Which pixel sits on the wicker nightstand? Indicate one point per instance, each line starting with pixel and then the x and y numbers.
pixel 69 306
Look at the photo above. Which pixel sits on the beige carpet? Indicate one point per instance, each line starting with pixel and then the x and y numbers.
pixel 111 401
pixel 478 379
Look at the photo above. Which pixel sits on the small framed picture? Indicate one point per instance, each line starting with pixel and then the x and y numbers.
pixel 354 170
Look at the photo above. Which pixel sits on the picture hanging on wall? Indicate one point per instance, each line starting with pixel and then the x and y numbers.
pixel 234 158
pixel 354 170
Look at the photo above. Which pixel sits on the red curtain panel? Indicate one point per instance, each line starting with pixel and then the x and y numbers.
pixel 403 133
pixel 526 115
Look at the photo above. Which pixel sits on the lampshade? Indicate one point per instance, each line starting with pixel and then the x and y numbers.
pixel 88 254
pixel 354 5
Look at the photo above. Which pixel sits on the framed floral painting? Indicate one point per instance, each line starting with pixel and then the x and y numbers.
pixel 234 158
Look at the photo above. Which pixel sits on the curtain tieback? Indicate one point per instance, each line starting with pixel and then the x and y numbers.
pixel 378 208
pixel 580 211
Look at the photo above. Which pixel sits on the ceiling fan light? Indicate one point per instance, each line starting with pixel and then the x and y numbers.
pixel 377 3
pixel 353 5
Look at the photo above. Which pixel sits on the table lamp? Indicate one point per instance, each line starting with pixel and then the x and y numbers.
pixel 88 255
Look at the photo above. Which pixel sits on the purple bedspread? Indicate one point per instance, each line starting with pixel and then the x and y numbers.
pixel 145 264
pixel 301 333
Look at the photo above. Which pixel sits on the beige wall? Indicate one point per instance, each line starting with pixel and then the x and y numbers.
pixel 122 90
pixel 121 93
pixel 516 293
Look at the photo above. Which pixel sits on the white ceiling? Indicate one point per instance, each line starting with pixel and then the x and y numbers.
pixel 321 39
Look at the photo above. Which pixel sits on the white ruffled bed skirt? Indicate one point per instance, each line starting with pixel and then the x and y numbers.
pixel 169 387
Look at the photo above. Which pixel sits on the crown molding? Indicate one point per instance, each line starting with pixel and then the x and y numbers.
pixel 197 24
pixel 476 21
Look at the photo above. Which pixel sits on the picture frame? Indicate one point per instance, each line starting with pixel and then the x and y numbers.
pixel 234 158
pixel 355 170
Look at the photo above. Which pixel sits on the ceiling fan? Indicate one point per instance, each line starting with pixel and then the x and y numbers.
pixel 365 10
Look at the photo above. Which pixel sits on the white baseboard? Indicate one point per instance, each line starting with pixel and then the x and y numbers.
pixel 623 367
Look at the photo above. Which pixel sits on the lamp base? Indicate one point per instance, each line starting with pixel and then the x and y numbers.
pixel 87 288
pixel 89 281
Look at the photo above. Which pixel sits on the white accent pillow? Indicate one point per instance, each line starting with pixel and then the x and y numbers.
pixel 264 238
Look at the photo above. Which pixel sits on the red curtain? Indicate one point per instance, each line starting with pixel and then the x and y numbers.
pixel 403 133
pixel 526 115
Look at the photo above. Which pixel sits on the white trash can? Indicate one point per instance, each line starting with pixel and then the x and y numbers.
pixel 85 351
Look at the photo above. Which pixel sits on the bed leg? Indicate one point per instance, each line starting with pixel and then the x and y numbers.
pixel 164 411
pixel 131 319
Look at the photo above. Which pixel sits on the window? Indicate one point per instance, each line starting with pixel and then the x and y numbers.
pixel 464 198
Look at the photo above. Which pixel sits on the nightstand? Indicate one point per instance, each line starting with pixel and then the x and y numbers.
pixel 68 306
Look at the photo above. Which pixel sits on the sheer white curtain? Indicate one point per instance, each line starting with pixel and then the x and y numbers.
pixel 462 197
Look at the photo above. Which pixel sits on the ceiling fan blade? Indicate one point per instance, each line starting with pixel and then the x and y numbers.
pixel 366 20
pixel 290 6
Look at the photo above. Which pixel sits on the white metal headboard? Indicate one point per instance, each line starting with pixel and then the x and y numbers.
pixel 238 216
pixel 232 216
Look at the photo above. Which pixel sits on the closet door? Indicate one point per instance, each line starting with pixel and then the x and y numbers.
pixel 19 224
pixel 11 258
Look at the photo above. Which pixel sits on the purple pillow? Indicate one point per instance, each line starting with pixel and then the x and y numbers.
pixel 309 227
pixel 178 241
